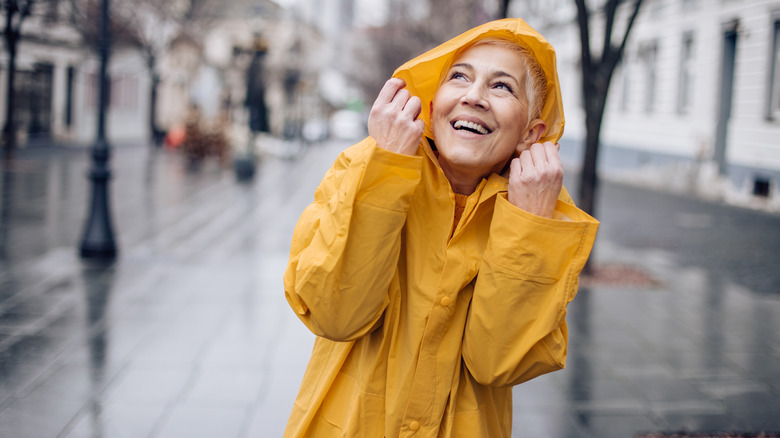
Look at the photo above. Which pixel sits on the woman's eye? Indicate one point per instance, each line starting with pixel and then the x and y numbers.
pixel 457 75
pixel 503 86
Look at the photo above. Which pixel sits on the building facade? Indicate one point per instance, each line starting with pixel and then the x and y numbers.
pixel 56 83
pixel 203 63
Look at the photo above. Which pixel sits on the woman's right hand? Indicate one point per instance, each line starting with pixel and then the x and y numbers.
pixel 393 121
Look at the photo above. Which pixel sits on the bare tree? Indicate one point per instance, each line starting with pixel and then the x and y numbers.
pixel 597 70
pixel 147 25
pixel 154 24
pixel 597 64
pixel 16 11
pixel 85 16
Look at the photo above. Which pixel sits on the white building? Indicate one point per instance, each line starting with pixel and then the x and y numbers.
pixel 56 83
pixel 695 105
pixel 57 73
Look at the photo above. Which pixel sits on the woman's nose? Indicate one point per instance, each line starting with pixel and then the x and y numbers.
pixel 475 96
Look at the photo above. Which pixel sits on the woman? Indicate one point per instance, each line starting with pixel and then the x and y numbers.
pixel 439 255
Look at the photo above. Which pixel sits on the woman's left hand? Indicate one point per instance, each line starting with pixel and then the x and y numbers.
pixel 536 178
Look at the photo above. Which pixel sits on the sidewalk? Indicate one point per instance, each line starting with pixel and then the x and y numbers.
pixel 188 334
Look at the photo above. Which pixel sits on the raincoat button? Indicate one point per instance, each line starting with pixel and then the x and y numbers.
pixel 445 301
pixel 413 426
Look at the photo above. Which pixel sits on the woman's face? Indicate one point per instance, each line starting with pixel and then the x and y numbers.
pixel 479 115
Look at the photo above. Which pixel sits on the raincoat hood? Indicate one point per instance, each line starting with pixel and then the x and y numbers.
pixel 422 73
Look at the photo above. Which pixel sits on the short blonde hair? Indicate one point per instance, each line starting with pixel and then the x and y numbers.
pixel 535 79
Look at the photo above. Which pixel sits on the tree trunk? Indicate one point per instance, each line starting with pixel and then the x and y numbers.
pixel 594 115
pixel 154 130
pixel 589 175
pixel 154 82
pixel 595 89
pixel 10 126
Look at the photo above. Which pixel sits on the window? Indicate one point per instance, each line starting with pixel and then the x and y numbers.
pixel 685 82
pixel 648 55
pixel 773 107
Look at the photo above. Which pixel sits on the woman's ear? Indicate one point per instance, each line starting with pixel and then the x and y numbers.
pixel 534 132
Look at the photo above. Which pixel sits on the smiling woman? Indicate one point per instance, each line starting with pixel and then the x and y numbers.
pixel 439 255
pixel 480 114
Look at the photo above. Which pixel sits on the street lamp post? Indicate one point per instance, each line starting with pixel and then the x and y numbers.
pixel 98 239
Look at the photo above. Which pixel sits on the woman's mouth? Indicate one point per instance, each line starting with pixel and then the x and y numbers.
pixel 470 126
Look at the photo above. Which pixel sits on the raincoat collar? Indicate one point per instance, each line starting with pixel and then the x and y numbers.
pixel 422 73
pixel 487 188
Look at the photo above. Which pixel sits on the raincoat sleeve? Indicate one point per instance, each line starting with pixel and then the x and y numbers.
pixel 346 244
pixel 516 328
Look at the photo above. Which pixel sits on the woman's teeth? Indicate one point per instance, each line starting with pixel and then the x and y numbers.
pixel 471 126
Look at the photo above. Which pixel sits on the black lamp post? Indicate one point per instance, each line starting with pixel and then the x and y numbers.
pixel 98 240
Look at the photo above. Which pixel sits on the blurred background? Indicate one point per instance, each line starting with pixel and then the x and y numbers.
pixel 152 177
pixel 694 91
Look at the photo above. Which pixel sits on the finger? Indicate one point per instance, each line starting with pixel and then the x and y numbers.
pixel 553 156
pixel 544 154
pixel 420 125
pixel 526 161
pixel 413 107
pixel 400 99
pixel 515 166
pixel 389 90
pixel 539 154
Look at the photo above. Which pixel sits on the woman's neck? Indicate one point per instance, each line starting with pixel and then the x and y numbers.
pixel 460 182
pixel 463 183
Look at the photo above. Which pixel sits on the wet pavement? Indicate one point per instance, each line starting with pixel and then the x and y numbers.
pixel 188 333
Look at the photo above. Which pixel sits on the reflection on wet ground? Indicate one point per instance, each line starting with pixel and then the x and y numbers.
pixel 188 332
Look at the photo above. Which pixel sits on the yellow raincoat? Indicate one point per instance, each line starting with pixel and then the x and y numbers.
pixel 423 333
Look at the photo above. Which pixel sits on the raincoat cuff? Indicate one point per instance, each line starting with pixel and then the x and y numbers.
pixel 534 246
pixel 389 180
pixel 564 212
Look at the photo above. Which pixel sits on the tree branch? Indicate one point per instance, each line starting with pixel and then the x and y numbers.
pixel 21 13
pixel 609 23
pixel 622 49
pixel 582 18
